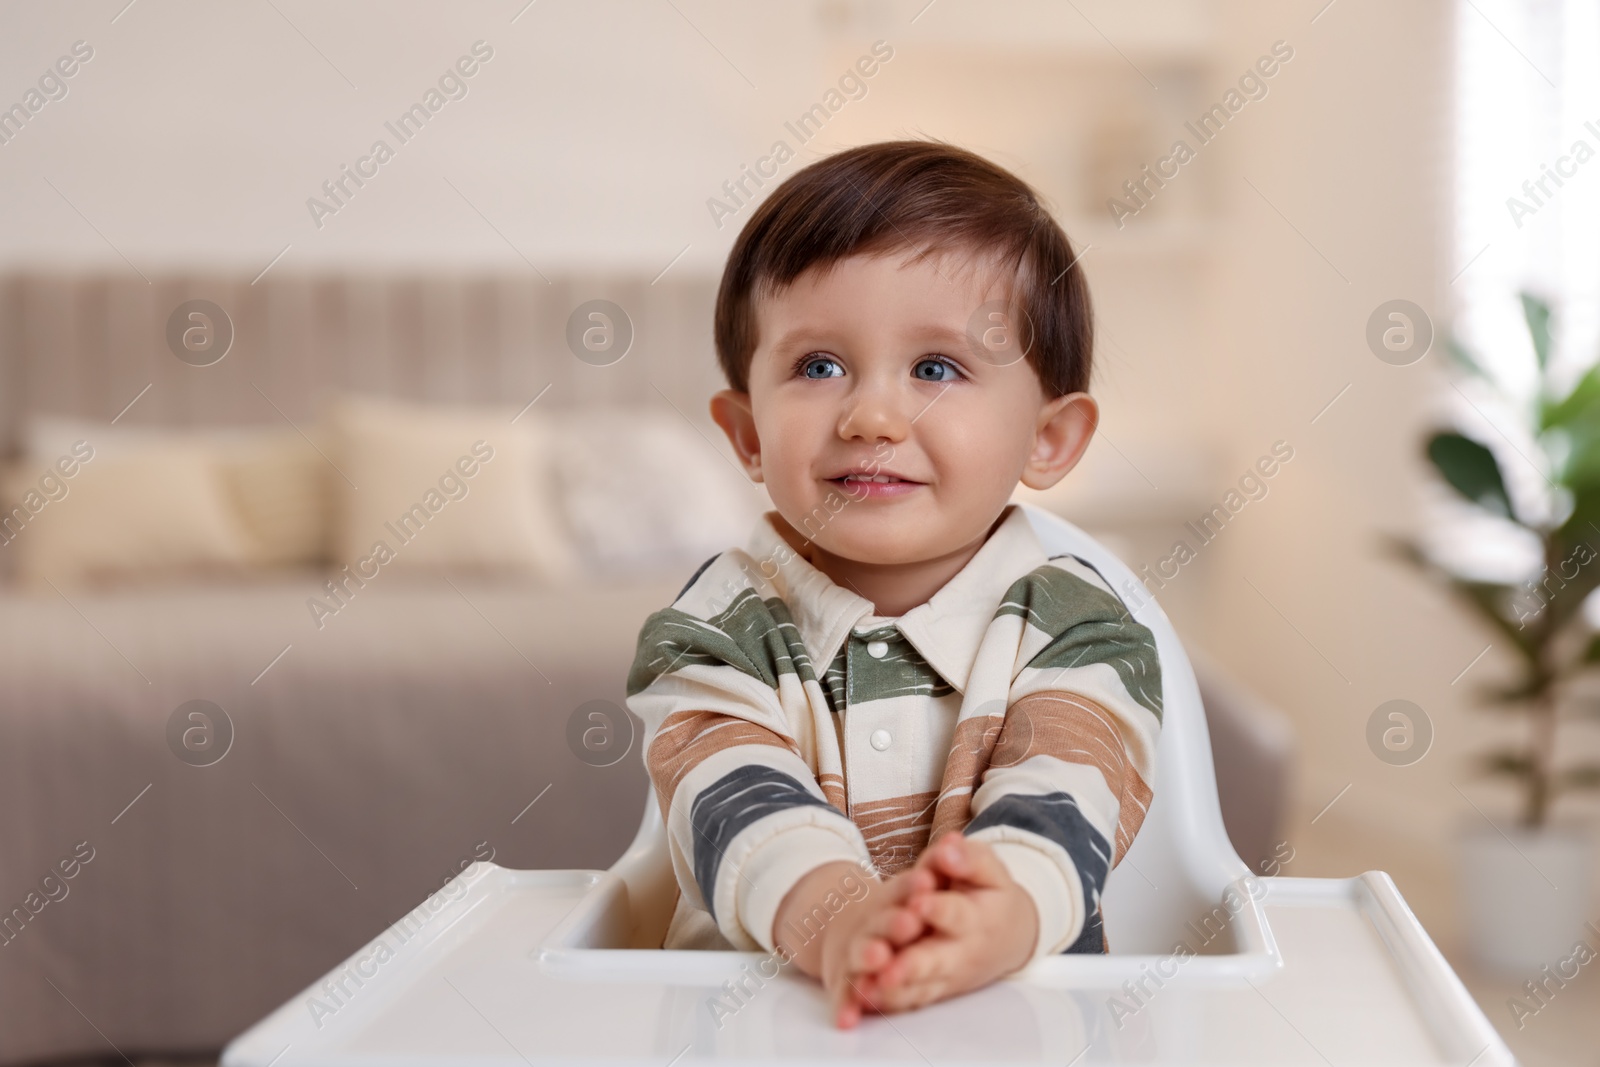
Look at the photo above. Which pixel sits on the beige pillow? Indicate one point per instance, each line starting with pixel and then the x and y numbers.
pixel 422 487
pixel 14 477
pixel 155 509
pixel 275 479
pixel 277 482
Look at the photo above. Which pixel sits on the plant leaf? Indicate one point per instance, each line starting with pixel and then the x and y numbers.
pixel 1537 312
pixel 1586 776
pixel 1514 765
pixel 1403 548
pixel 1576 403
pixel 1471 470
pixel 1465 359
pixel 1564 585
pixel 1508 698
pixel 1489 598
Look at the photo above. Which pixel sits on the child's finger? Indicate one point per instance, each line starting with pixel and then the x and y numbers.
pixel 860 996
pixel 914 879
pixel 968 861
pixel 844 999
pixel 903 923
pixel 875 944
pixel 948 912
pixel 866 991
pixel 867 951
pixel 918 975
pixel 913 995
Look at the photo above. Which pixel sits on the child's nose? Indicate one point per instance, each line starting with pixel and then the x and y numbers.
pixel 877 410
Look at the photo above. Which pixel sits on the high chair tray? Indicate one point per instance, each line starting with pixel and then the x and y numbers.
pixel 499 968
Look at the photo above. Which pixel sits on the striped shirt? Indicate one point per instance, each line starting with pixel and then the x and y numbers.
pixel 786 725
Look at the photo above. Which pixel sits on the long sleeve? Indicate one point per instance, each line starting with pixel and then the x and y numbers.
pixel 1067 784
pixel 726 743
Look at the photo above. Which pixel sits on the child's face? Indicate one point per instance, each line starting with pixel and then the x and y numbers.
pixel 868 370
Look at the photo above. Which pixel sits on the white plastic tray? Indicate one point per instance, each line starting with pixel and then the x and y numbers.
pixel 503 970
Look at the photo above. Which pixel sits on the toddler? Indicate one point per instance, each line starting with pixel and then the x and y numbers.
pixel 893 741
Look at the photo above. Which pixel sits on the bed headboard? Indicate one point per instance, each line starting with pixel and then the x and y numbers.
pixel 85 345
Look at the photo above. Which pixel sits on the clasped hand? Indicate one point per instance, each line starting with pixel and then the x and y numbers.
pixel 951 923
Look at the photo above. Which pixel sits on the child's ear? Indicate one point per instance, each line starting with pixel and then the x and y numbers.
pixel 1065 427
pixel 731 410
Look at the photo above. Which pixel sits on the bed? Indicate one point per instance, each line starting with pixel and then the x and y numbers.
pixel 341 768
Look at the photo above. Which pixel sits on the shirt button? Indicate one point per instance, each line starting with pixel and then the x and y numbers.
pixel 880 739
pixel 878 650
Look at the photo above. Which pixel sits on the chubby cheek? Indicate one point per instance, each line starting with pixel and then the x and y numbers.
pixel 788 452
pixel 976 458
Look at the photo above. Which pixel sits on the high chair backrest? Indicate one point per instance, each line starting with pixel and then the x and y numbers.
pixel 1180 862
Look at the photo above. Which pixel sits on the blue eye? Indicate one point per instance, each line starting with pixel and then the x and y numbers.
pixel 811 364
pixel 935 370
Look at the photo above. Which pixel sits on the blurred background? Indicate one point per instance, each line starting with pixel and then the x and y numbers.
pixel 241 344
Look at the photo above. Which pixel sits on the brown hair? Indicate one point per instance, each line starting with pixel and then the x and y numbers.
pixel 928 195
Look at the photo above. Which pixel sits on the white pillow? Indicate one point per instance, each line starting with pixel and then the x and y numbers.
pixel 645 493
pixel 156 509
pixel 443 488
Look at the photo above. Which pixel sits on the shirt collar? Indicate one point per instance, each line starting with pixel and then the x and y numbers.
pixel 946 630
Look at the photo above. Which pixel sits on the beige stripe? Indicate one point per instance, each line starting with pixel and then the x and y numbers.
pixel 687 737
pixel 1067 726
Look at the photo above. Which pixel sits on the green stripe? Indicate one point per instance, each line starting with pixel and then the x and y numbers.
pixel 901 672
pixel 833 680
pixel 1091 626
pixel 752 635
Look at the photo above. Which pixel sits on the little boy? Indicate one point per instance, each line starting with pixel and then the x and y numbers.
pixel 891 740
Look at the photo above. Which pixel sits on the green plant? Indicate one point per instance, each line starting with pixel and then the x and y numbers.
pixel 1542 619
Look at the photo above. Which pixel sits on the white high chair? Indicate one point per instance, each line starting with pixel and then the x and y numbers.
pixel 1208 963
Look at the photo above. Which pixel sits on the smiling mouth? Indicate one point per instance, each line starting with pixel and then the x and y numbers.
pixel 875 486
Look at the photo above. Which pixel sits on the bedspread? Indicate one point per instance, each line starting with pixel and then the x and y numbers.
pixel 425 725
